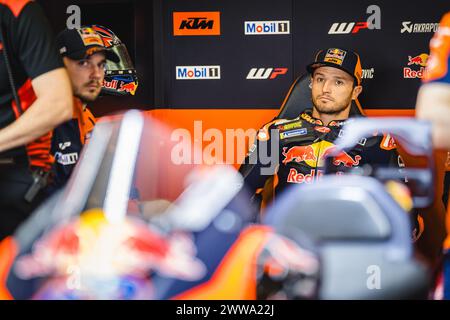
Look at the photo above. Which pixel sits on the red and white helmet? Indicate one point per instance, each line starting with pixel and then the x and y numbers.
pixel 120 77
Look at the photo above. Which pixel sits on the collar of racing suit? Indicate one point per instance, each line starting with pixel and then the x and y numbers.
pixel 307 116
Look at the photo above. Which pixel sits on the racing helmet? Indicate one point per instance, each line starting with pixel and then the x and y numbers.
pixel 121 77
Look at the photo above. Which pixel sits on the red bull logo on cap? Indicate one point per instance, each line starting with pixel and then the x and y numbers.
pixel 335 55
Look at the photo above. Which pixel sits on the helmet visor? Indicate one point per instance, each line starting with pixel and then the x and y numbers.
pixel 125 62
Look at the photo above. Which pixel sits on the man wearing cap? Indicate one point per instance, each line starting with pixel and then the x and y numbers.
pixel 84 56
pixel 304 141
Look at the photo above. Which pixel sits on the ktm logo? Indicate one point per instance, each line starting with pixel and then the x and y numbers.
pixel 265 73
pixel 196 23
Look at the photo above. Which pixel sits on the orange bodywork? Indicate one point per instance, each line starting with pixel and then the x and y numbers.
pixel 8 252
pixel 235 278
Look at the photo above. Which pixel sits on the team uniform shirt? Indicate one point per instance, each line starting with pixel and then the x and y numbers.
pixel 32 53
pixel 304 142
pixel 68 140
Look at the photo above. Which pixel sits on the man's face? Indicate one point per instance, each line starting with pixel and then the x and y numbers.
pixel 87 76
pixel 332 90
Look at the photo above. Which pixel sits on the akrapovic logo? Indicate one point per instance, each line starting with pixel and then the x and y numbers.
pixel 368 73
pixel 410 27
pixel 266 27
pixel 265 73
pixel 196 23
pixel 197 72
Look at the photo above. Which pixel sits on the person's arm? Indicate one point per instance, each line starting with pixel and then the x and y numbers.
pixel 33 49
pixel 52 107
pixel 253 167
pixel 433 99
pixel 433 104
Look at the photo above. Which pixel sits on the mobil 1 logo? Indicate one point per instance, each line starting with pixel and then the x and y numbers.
pixel 266 27
pixel 197 72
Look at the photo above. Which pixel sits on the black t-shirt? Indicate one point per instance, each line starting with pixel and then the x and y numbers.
pixel 32 49
pixel 32 52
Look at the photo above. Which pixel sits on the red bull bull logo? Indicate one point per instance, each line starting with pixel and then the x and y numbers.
pixel 313 155
pixel 298 154
pixel 419 60
pixel 129 87
pixel 342 158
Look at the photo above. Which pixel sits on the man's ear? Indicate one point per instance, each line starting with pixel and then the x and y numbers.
pixel 356 91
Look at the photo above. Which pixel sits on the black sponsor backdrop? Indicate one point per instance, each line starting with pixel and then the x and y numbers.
pixel 385 50
pixel 146 28
pixel 235 52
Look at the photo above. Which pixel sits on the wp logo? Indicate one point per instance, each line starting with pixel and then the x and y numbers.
pixel 196 23
pixel 372 22
pixel 346 28
pixel 265 73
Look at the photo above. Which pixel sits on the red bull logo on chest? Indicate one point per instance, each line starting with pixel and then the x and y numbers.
pixel 314 155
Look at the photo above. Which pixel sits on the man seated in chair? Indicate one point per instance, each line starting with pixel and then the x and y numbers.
pixel 296 147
